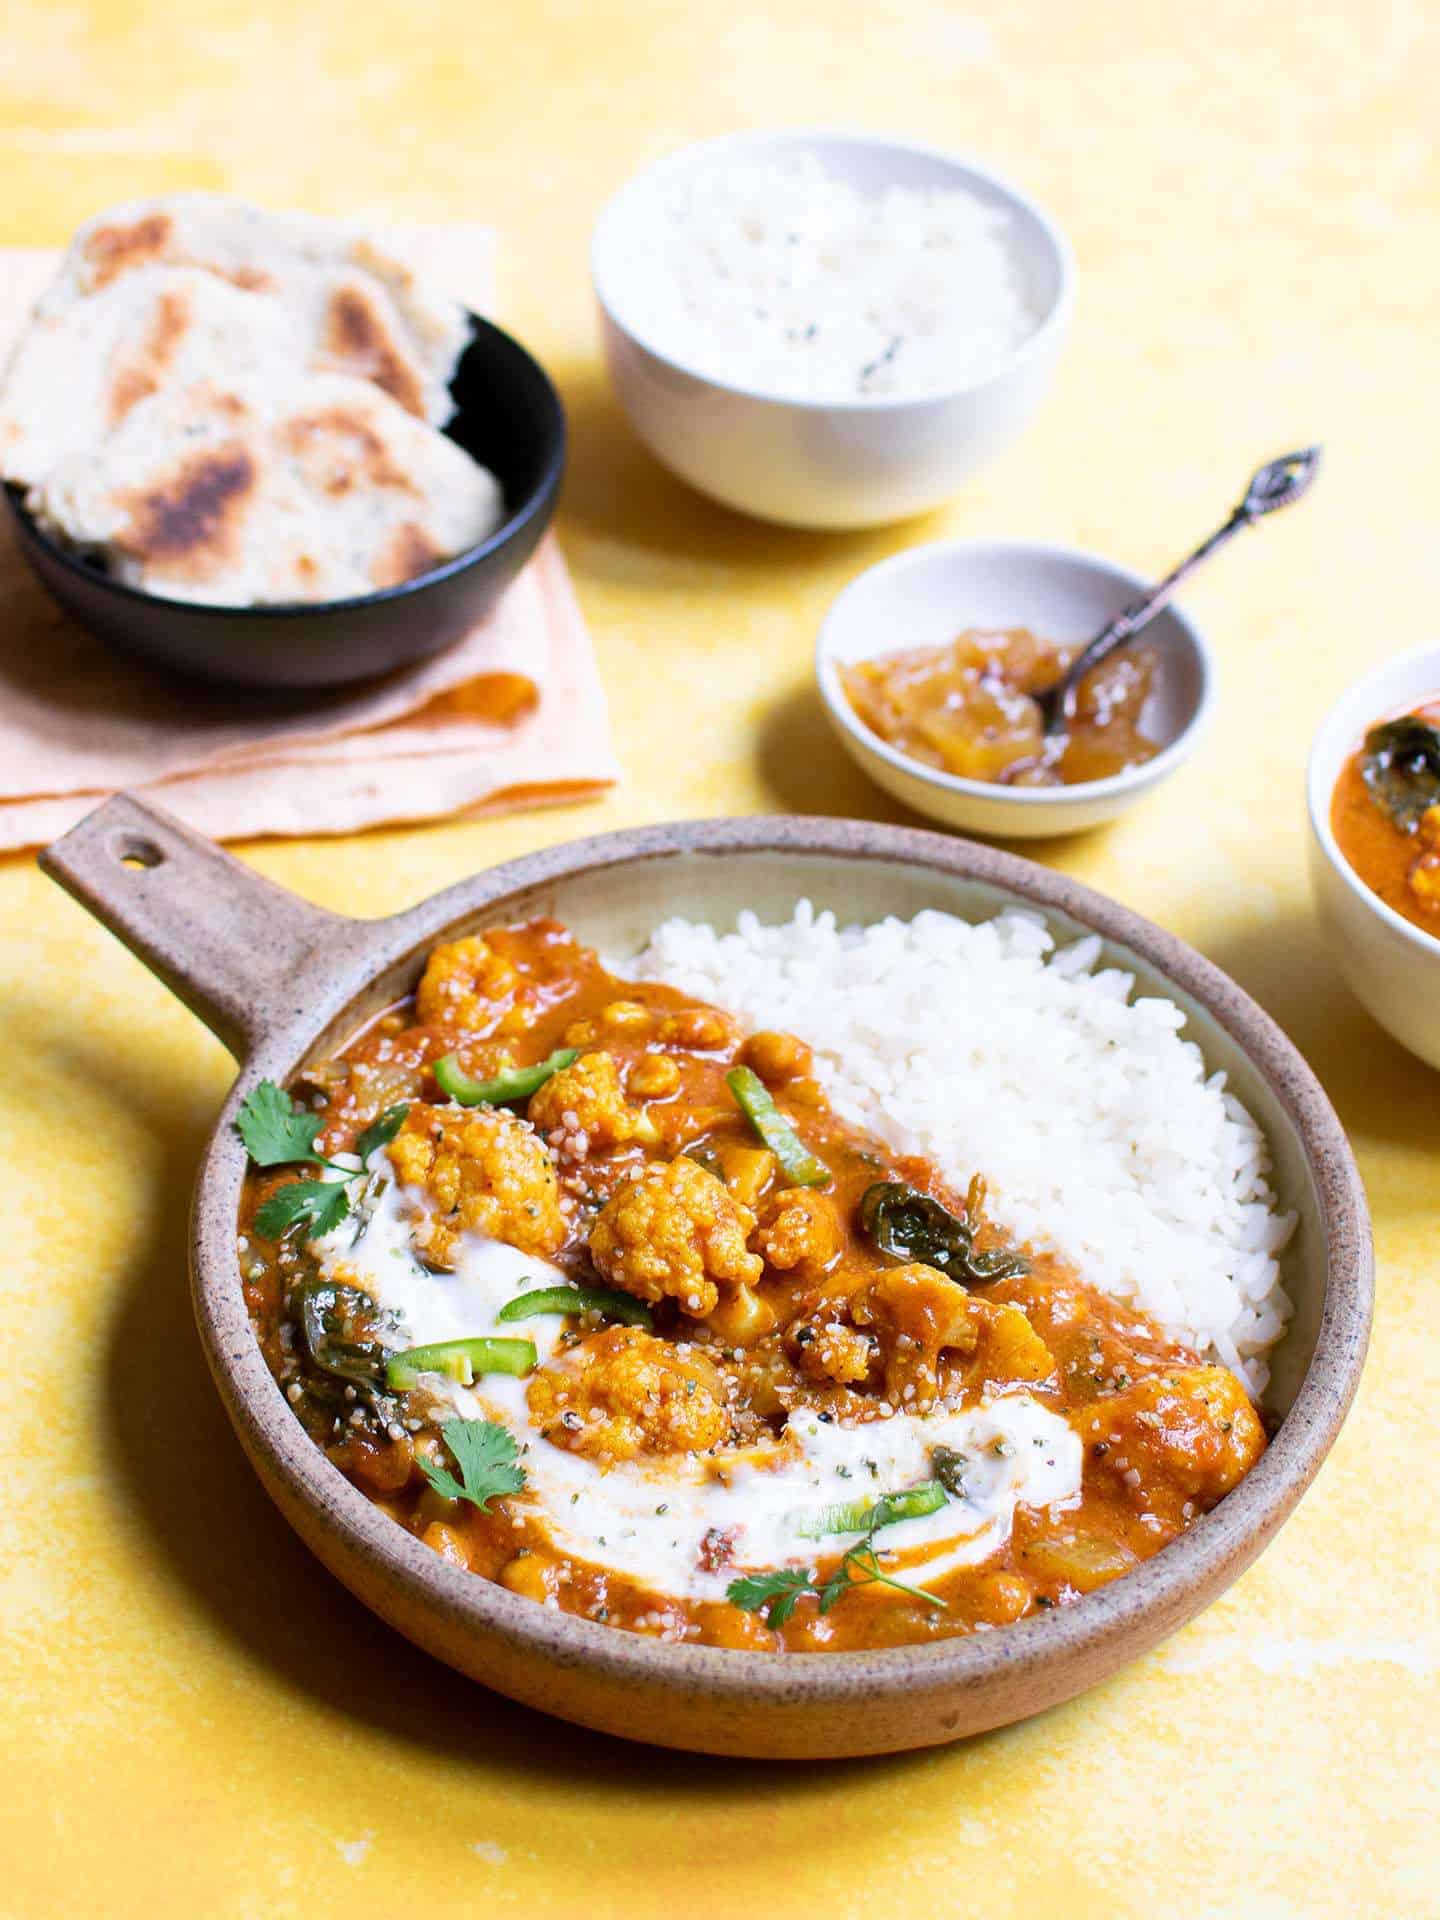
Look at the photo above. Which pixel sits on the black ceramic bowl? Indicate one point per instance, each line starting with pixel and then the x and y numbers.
pixel 507 415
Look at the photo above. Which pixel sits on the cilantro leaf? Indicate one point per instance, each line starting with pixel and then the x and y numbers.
pixel 772 1594
pixel 318 1205
pixel 382 1131
pixel 274 1129
pixel 486 1455
pixel 836 1587
pixel 775 1594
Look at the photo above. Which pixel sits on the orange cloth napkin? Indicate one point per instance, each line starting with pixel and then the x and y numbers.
pixel 513 715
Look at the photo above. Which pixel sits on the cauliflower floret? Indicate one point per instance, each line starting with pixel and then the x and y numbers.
pixel 465 984
pixel 799 1232
pixel 586 1097
pixel 484 1170
pixel 827 1350
pixel 1191 1435
pixel 623 1392
pixel 676 1234
pixel 919 1315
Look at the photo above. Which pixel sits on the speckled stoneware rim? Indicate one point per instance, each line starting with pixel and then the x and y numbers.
pixel 299 970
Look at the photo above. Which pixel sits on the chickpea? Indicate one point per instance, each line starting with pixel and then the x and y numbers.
pixel 808 1631
pixel 448 1542
pixel 654 1077
pixel 433 1508
pixel 530 1574
pixel 729 1627
pixel 625 1016
pixel 777 1057
pixel 698 1029
pixel 1003 1597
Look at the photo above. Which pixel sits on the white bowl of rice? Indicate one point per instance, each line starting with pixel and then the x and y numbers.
pixel 827 329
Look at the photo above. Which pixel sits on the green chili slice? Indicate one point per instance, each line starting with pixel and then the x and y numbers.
pixel 511 1083
pixel 459 1360
pixel 614 1305
pixel 868 1516
pixel 752 1096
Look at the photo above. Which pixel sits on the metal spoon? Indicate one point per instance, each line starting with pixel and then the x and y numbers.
pixel 1276 485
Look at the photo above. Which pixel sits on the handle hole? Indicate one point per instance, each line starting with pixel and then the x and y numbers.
pixel 133 850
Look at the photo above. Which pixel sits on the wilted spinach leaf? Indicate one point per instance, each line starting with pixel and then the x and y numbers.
pixel 327 1316
pixel 1401 767
pixel 909 1225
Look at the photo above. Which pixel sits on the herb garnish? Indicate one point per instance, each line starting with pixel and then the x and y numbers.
pixel 382 1131
pixel 774 1595
pixel 275 1128
pixel 278 1132
pixel 317 1205
pixel 486 1455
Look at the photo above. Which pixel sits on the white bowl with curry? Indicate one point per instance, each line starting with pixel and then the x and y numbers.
pixel 926 664
pixel 1373 787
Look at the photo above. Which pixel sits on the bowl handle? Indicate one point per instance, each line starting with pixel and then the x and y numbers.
pixel 230 943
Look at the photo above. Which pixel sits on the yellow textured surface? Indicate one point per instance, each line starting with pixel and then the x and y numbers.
pixel 193 1719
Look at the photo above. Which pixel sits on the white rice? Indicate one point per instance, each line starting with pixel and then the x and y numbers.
pixel 781 278
pixel 985 1048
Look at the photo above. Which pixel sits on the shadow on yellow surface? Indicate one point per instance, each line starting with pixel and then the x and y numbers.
pixel 1380 1091
pixel 616 490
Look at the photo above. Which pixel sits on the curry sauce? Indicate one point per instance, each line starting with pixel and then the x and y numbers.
pixel 1391 837
pixel 766 1296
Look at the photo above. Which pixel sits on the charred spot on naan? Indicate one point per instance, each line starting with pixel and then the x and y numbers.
pixel 137 379
pixel 359 342
pixel 112 251
pixel 189 523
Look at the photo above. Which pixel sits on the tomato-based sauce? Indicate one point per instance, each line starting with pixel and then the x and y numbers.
pixel 1395 852
pixel 808 1397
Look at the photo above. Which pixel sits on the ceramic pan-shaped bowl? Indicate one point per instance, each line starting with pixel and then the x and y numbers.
pixel 282 982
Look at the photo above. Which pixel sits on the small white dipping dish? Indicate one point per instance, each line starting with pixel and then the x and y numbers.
pixel 930 595
pixel 855 462
pixel 1392 967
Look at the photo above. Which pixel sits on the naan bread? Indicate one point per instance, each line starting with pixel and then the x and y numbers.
pixel 79 369
pixel 249 491
pixel 391 327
